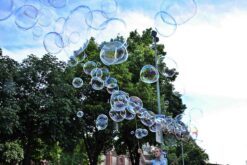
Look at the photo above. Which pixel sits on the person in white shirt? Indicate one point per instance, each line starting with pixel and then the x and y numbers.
pixel 160 159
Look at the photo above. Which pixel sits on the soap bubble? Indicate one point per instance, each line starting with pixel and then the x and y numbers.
pixel 58 3
pixel 101 122
pixel 149 74
pixel 59 25
pixel 53 43
pixel 162 27
pixel 147 118
pixel 132 132
pixel 110 82
pixel 45 2
pixel 170 140
pixel 73 61
pixel 26 17
pixel 109 6
pixel 77 82
pixel 144 132
pixel 135 103
pixel 45 17
pixel 89 66
pixel 129 114
pixel 6 9
pixel 113 53
pixel 95 19
pixel 167 66
pixel 117 115
pixel 119 100
pixel 97 83
pixel 112 89
pixel 140 111
pixel 138 133
pixel 181 10
pixel 79 114
pixel 96 72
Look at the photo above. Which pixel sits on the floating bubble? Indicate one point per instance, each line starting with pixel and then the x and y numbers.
pixel 129 114
pixel 170 140
pixel 132 132
pixel 73 61
pixel 97 83
pixel 144 132
pixel 181 10
pixel 140 111
pixel 109 6
pixel 6 9
pixel 101 122
pixel 37 32
pixel 110 82
pixel 96 72
pixel 105 73
pixel 53 43
pixel 79 114
pixel 135 103
pixel 45 2
pixel 112 89
pixel 26 17
pixel 117 115
pixel 77 82
pixel 138 133
pixel 149 74
pixel 89 66
pixel 113 53
pixel 119 100
pixel 45 17
pixel 167 66
pixel 162 27
pixel 95 19
pixel 58 3
pixel 59 25
pixel 147 118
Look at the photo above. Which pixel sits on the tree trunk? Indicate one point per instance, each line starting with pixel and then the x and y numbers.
pixel 27 154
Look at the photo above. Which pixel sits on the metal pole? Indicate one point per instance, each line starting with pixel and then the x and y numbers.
pixel 182 148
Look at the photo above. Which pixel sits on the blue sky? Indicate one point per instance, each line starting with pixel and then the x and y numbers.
pixel 211 54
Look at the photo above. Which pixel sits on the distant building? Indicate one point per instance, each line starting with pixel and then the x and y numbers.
pixel 111 158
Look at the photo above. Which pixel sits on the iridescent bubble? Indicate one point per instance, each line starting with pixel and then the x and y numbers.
pixel 79 114
pixel 77 82
pixel 167 66
pixel 105 73
pixel 73 61
pixel 101 122
pixel 53 43
pixel 117 115
pixel 110 82
pixel 37 32
pixel 95 19
pixel 59 25
pixel 119 100
pixel 58 3
pixel 89 66
pixel 181 10
pixel 97 83
pixel 112 89
pixel 162 27
pixel 147 119
pixel 6 9
pixel 96 72
pixel 45 17
pixel 109 6
pixel 138 133
pixel 140 111
pixel 132 132
pixel 129 114
pixel 26 17
pixel 135 103
pixel 149 74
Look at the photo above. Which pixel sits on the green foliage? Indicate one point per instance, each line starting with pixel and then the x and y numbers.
pixel 11 152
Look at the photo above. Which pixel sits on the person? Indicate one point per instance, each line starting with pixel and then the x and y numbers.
pixel 160 158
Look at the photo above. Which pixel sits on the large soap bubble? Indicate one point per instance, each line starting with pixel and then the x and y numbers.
pixel 101 122
pixel 162 27
pixel 166 66
pixel 6 9
pixel 148 118
pixel 89 66
pixel 45 17
pixel 53 43
pixel 77 82
pixel 149 74
pixel 117 115
pixel 135 103
pixel 140 133
pixel 26 17
pixel 112 89
pixel 95 19
pixel 119 100
pixel 97 83
pixel 113 53
pixel 109 6
pixel 181 10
